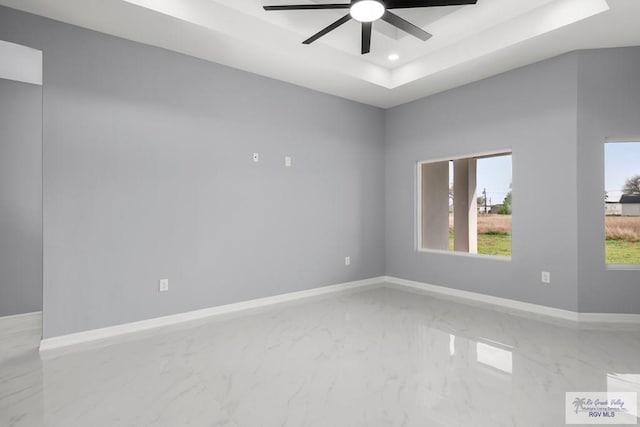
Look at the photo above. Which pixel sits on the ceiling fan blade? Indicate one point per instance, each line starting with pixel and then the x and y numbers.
pixel 405 26
pixel 327 29
pixel 308 6
pixel 406 4
pixel 366 37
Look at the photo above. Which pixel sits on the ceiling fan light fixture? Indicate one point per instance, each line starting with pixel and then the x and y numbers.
pixel 367 10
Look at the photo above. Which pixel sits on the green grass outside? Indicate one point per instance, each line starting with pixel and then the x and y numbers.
pixel 494 244
pixel 622 252
pixel 618 251
pixel 490 244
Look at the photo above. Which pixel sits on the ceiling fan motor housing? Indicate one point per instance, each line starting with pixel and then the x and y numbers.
pixel 367 10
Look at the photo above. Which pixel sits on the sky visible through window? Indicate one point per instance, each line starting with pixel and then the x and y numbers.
pixel 622 161
pixel 492 174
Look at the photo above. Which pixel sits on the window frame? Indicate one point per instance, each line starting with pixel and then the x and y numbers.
pixel 418 203
pixel 608 140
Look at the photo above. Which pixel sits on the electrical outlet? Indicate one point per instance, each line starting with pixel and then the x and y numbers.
pixel 256 157
pixel 347 260
pixel 546 277
pixel 163 285
pixel 287 161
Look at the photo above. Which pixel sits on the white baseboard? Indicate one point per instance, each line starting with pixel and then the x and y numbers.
pixel 57 343
pixel 22 316
pixel 506 304
pixel 503 304
pixel 609 318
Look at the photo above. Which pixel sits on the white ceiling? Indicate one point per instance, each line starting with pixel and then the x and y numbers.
pixel 469 42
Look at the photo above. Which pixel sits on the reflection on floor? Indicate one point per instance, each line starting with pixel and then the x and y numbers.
pixel 380 357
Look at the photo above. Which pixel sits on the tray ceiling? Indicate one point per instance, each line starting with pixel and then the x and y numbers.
pixel 469 42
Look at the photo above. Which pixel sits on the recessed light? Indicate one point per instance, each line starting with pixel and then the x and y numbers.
pixel 393 57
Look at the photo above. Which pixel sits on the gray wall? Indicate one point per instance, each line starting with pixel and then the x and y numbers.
pixel 608 106
pixel 531 110
pixel 148 175
pixel 20 198
pixel 555 115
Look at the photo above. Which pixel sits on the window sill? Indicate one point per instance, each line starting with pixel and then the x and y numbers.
pixel 623 267
pixel 467 255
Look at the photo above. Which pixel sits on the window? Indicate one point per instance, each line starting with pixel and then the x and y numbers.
pixel 464 205
pixel 622 202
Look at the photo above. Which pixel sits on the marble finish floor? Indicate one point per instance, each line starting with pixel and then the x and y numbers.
pixel 378 357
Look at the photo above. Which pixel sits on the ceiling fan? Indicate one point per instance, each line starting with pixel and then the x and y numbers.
pixel 368 11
